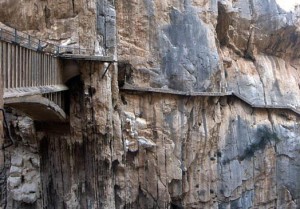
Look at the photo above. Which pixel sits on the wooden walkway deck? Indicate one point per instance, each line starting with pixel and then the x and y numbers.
pixel 127 87
pixel 31 69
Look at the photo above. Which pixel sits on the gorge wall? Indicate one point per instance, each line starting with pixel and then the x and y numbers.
pixel 129 149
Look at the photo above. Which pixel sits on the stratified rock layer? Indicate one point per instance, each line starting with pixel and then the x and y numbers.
pixel 141 150
pixel 211 153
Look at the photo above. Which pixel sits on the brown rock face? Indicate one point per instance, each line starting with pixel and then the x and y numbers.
pixel 53 20
pixel 172 145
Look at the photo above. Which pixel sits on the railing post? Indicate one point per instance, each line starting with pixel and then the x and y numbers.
pixel 57 50
pixel 29 41
pixel 16 36
pixel 39 48
pixel 0 33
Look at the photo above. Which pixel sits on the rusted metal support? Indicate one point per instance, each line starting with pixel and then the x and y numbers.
pixel 29 41
pixel 16 36
pixel 39 48
pixel 57 50
pixel 106 69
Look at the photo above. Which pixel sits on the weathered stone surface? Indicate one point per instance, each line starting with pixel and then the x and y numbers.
pixel 68 22
pixel 260 39
pixel 23 175
pixel 150 150
pixel 175 47
pixel 178 48
pixel 233 159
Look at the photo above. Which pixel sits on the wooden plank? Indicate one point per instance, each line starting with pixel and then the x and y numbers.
pixel 9 73
pixel 8 93
pixel 17 67
pixel 45 69
pixel 25 67
pixel 10 66
pixel 55 72
pixel 38 70
pixel 42 69
pixel 21 65
pixel 38 73
pixel 13 65
pixel 40 77
pixel 4 65
pixel 48 70
pixel 87 57
pixel 30 68
pixel 27 79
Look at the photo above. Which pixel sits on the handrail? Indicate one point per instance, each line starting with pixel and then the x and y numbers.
pixel 30 42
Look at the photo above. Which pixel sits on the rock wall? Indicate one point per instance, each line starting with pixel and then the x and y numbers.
pixel 212 153
pixel 137 150
pixel 76 162
pixel 23 160
pixel 247 47
pixel 88 24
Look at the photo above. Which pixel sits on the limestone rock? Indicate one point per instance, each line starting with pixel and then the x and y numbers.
pixel 141 149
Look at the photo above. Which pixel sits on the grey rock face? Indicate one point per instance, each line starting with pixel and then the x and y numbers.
pixel 185 46
pixel 168 151
pixel 106 27
pixel 188 52
pixel 23 176
pixel 260 39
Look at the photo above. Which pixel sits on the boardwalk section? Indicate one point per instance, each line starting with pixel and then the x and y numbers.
pixel 131 88
pixel 25 68
pixel 32 79
pixel 34 73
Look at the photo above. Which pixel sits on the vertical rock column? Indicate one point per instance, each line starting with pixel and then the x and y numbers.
pixel 77 162
pixel 106 27
pixel 76 167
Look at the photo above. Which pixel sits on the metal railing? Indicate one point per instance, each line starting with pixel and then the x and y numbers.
pixel 30 42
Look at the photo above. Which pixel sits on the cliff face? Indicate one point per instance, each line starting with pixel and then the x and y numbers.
pixel 241 46
pixel 211 153
pixel 89 24
pixel 129 149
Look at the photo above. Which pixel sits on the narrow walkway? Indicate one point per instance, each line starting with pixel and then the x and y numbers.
pixel 128 87
pixel 33 73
